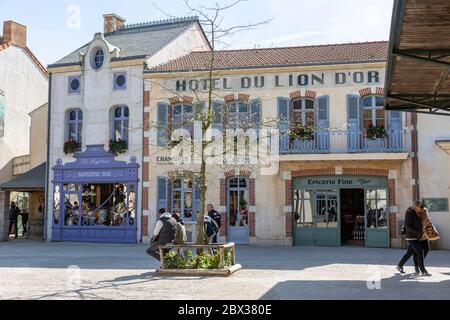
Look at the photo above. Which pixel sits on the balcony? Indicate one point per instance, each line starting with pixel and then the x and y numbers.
pixel 345 141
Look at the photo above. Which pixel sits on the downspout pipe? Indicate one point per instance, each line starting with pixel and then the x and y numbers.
pixel 47 171
pixel 416 155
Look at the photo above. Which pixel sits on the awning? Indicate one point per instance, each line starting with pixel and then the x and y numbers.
pixel 32 180
pixel 419 58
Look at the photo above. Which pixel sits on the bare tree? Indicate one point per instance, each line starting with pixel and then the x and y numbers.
pixel 212 19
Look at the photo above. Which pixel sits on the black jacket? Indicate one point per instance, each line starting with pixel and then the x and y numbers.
pixel 213 214
pixel 14 213
pixel 413 225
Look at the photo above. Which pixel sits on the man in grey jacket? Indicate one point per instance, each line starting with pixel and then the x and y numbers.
pixel 163 234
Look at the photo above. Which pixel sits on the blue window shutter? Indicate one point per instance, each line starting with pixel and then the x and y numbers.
pixel 255 111
pixel 217 114
pixel 283 114
pixel 163 121
pixel 196 200
pixel 395 121
pixel 162 194
pixel 323 111
pixel 353 119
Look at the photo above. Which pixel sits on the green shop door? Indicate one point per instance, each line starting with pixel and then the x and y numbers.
pixel 317 218
pixel 377 218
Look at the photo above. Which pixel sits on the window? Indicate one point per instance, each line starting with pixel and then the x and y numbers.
pixel 303 208
pixel 377 213
pixel 121 116
pixel 120 81
pixel 373 111
pixel 183 118
pixel 74 85
pixel 74 126
pixel 98 59
pixel 303 113
pixel 183 197
pixel 238 114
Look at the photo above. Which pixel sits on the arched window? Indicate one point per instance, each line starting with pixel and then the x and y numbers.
pixel 303 113
pixel 183 117
pixel 373 111
pixel 74 126
pixel 120 123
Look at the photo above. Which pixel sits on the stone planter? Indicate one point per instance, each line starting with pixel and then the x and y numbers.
pixel 224 270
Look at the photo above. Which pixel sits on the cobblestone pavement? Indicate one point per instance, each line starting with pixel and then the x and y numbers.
pixel 40 270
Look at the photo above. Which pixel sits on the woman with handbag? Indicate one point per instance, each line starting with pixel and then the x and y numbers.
pixel 430 234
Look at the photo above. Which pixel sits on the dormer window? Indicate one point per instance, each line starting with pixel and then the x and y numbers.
pixel 98 58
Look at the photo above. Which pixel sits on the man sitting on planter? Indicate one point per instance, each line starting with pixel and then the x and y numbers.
pixel 163 234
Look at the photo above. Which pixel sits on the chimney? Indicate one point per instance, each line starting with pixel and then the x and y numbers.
pixel 15 33
pixel 112 22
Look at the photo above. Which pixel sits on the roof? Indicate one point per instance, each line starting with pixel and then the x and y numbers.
pixel 29 53
pixel 138 40
pixel 419 57
pixel 31 180
pixel 280 57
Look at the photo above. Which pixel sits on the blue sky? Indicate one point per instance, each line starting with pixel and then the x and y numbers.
pixel 53 33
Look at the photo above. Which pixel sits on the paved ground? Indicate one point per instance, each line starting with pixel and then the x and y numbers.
pixel 37 270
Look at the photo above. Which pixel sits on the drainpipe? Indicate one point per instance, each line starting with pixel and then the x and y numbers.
pixel 416 155
pixel 47 171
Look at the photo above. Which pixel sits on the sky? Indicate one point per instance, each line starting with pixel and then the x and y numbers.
pixel 58 27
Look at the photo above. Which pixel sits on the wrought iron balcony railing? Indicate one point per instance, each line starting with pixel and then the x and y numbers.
pixel 345 141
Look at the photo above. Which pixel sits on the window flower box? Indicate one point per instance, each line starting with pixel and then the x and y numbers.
pixel 213 260
pixel 303 133
pixel 117 147
pixel 376 132
pixel 71 147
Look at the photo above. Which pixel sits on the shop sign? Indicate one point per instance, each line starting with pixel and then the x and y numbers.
pixel 340 182
pixel 436 204
pixel 371 77
pixel 164 160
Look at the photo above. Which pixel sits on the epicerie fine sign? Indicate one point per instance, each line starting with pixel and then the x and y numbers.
pixel 282 81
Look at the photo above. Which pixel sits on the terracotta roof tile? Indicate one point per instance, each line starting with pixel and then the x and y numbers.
pixel 278 57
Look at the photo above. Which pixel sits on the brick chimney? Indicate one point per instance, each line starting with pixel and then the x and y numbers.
pixel 112 22
pixel 15 33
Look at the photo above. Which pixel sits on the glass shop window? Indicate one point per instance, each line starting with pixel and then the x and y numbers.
pixel 377 212
pixel 105 205
pixel 303 208
pixel 56 204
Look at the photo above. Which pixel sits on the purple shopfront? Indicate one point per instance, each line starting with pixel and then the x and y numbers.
pixel 95 198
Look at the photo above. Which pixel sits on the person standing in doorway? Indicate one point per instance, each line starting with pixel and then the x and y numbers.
pixel 163 234
pixel 216 217
pixel 414 229
pixel 24 216
pixel 14 213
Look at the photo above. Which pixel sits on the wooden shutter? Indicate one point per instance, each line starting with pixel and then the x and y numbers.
pixel 353 121
pixel 163 122
pixel 162 194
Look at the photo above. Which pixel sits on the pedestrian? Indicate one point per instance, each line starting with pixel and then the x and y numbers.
pixel 211 229
pixel 180 233
pixel 14 213
pixel 216 217
pixel 163 234
pixel 430 234
pixel 24 216
pixel 418 245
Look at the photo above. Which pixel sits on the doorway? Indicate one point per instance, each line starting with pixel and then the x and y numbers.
pixel 353 231
pixel 237 211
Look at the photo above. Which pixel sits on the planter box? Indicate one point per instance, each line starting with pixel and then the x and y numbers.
pixel 224 271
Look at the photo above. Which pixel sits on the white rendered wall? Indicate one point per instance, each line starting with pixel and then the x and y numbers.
pixel 25 88
pixel 434 169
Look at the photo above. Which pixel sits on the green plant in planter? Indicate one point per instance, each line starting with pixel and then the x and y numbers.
pixel 376 132
pixel 71 146
pixel 117 147
pixel 202 261
pixel 303 133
